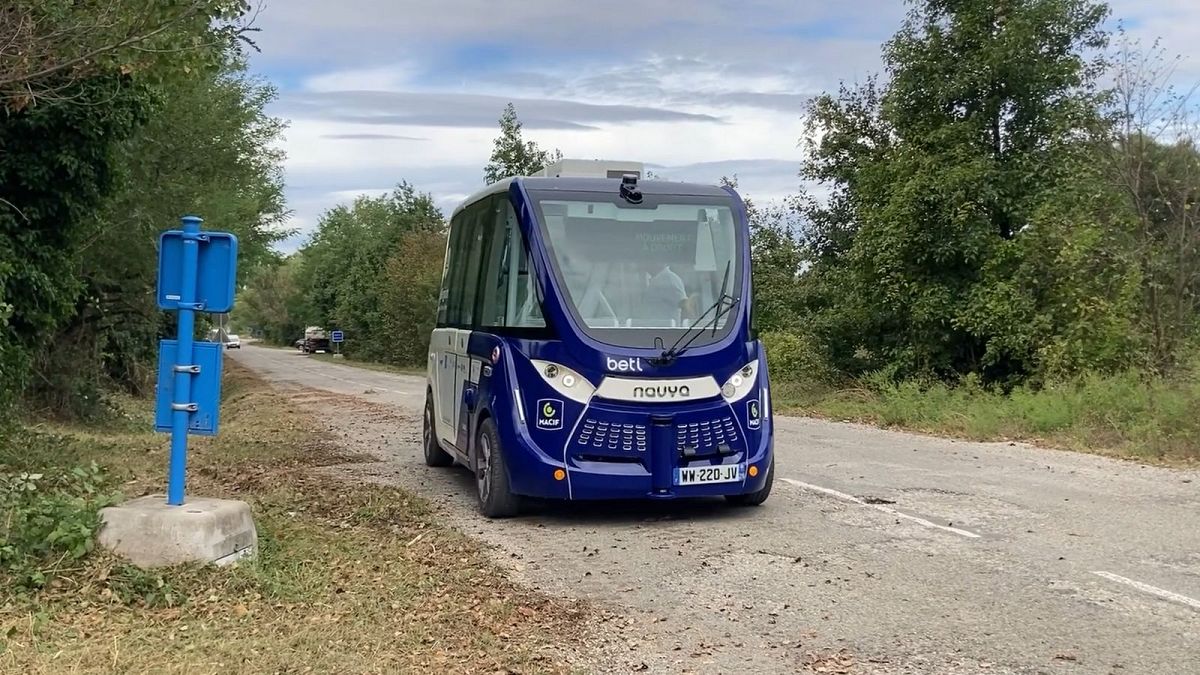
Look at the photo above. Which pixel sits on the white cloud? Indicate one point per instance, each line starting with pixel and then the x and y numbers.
pixel 379 78
pixel 688 120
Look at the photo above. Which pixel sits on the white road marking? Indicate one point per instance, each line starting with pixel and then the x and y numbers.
pixel 1152 590
pixel 880 507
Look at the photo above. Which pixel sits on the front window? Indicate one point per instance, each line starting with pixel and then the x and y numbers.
pixel 633 273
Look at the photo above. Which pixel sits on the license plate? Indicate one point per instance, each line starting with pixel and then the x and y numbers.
pixel 702 475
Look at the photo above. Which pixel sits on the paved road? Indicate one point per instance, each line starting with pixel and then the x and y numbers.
pixel 878 551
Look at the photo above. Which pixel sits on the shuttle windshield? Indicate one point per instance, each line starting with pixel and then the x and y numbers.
pixel 633 273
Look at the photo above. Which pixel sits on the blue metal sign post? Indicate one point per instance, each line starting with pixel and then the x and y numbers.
pixel 183 406
pixel 196 273
pixel 337 337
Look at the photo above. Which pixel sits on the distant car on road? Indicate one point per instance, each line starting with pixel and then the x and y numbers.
pixel 233 342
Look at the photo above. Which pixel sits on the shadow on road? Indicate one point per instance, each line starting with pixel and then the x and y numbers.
pixel 614 512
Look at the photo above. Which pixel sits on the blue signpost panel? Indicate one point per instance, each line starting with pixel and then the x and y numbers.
pixel 206 387
pixel 196 273
pixel 216 265
pixel 337 336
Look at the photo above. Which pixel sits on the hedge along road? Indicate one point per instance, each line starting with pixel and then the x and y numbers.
pixel 877 552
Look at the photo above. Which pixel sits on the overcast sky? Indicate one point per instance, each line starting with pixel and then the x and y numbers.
pixel 379 91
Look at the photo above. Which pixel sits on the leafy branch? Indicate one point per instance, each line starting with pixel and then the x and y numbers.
pixel 47 47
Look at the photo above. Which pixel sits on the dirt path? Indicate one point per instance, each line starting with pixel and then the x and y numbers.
pixel 878 552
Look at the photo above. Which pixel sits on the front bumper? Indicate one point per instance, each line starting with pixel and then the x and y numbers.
pixel 623 451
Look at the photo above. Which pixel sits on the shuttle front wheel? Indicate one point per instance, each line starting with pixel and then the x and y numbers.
pixel 757 497
pixel 496 498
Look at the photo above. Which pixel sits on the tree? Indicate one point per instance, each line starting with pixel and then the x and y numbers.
pixel 344 271
pixel 512 155
pixel 409 296
pixel 963 191
pixel 776 260
pixel 48 46
pixel 213 119
pixel 55 172
pixel 77 218
pixel 1155 163
pixel 273 305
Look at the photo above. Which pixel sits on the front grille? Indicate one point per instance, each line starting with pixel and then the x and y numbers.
pixel 708 433
pixel 706 436
pixel 603 434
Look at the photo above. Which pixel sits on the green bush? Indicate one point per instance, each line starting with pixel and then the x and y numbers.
pixel 1130 413
pixel 796 357
pixel 49 519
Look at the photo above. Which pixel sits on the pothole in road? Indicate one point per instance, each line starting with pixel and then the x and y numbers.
pixel 936 491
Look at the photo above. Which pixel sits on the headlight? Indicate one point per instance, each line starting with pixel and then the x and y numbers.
pixel 741 383
pixel 565 381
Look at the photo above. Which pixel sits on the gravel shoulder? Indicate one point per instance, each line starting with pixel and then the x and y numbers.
pixel 878 552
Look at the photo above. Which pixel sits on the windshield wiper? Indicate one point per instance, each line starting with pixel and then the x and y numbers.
pixel 722 306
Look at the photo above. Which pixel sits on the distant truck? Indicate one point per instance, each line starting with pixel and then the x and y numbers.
pixel 315 340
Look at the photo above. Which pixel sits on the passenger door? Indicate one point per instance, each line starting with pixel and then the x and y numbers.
pixel 476 225
pixel 442 345
pixel 449 343
pixel 444 366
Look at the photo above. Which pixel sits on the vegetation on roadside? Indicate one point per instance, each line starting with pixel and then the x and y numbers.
pixel 350 577
pixel 1125 414
pixel 372 269
pixel 1009 248
pixel 981 220
pixel 117 118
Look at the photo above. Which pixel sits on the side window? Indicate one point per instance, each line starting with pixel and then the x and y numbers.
pixel 526 311
pixel 443 306
pixel 477 225
pixel 493 294
pixel 455 263
pixel 508 287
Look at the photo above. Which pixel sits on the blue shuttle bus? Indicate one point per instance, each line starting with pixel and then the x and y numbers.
pixel 594 341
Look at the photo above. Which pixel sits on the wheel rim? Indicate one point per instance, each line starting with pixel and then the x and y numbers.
pixel 482 464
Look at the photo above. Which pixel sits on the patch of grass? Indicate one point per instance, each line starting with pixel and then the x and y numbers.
pixel 349 577
pixel 1128 415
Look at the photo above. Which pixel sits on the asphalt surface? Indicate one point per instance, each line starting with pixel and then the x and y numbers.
pixel 877 552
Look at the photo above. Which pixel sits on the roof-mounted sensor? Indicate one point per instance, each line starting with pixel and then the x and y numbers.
pixel 629 189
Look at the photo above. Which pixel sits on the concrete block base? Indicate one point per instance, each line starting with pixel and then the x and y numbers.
pixel 151 534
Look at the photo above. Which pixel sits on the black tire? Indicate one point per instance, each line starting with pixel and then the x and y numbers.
pixel 434 454
pixel 496 498
pixel 758 497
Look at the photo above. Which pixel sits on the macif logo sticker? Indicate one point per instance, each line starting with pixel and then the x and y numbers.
pixel 550 414
pixel 753 414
